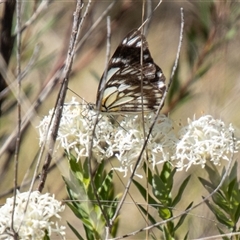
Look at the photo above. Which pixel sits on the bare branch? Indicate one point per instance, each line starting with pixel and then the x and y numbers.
pixel 19 117
pixel 151 127
pixel 43 5
pixel 7 40
pixel 95 124
pixel 61 96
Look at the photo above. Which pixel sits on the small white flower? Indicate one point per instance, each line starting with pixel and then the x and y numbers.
pixel 205 139
pixel 32 217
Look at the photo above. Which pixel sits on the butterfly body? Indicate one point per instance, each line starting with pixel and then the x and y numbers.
pixel 130 86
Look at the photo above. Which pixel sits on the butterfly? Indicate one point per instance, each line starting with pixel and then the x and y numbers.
pixel 129 85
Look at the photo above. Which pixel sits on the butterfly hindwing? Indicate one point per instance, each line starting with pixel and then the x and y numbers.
pixel 122 91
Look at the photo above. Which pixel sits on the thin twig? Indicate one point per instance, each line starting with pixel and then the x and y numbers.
pixel 98 107
pixel 62 93
pixel 17 146
pixel 43 5
pixel 99 40
pixel 24 72
pixel 148 13
pixel 26 182
pixel 95 24
pixel 190 80
pixel 143 24
pixel 142 115
pixel 229 235
pixel 31 112
pixel 152 125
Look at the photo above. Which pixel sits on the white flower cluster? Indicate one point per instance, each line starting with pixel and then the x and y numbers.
pixel 123 137
pixel 76 129
pixel 204 139
pixel 33 216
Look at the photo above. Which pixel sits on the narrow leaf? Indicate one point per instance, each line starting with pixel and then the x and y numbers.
pixel 180 191
pixel 75 231
pixel 182 218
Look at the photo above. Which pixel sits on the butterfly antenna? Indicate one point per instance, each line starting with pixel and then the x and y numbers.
pixel 78 95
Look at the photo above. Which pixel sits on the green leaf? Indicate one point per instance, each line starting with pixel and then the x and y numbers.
pixel 234 170
pixel 46 236
pixel 207 185
pixel 91 234
pixel 180 191
pixel 76 169
pixel 170 226
pixel 106 186
pixel 75 231
pixel 205 17
pixel 237 214
pixel 83 203
pixel 79 212
pixel 225 238
pixel 192 48
pixel 213 175
pixel 99 175
pixel 167 172
pixel 170 179
pixel 222 218
pixel 160 190
pixel 167 176
pixel 85 169
pixel 164 213
pixel 231 189
pixel 153 237
pixel 75 188
pixel 115 227
pixel 186 236
pixel 150 217
pixel 182 218
pixel 143 192
pixel 221 201
pixel 148 173
pixel 202 70
pixel 167 235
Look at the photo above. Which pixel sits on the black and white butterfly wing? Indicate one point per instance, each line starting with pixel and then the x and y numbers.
pixel 122 91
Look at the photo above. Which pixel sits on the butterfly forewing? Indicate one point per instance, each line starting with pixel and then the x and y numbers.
pixel 123 91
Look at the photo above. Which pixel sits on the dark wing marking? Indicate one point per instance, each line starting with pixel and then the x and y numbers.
pixel 122 92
